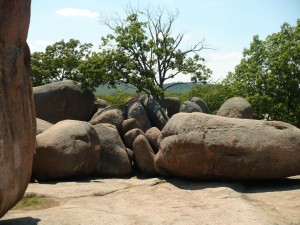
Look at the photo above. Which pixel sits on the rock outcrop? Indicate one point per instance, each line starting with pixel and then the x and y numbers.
pixel 172 105
pixel 189 107
pixel 115 159
pixel 63 100
pixel 137 111
pixel 68 149
pixel 17 114
pixel 202 146
pixel 144 155
pixel 201 103
pixel 42 125
pixel 236 107
pixel 152 136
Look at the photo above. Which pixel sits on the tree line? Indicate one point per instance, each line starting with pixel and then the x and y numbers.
pixel 142 50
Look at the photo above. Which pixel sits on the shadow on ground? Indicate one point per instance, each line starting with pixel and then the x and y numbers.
pixel 20 221
pixel 251 186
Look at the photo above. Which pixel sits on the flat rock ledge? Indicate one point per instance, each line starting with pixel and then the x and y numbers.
pixel 160 201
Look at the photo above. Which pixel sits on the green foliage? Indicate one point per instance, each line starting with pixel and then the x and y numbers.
pixel 60 61
pixel 269 75
pixel 142 51
pixel 213 94
pixel 116 99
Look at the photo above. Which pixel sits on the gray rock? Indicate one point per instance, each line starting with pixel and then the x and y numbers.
pixel 172 104
pixel 202 146
pixel 152 136
pixel 236 107
pixel 114 157
pixel 131 135
pixel 136 110
pixel 42 125
pixel 63 100
pixel 109 115
pixel 156 114
pixel 68 149
pixel 201 103
pixel 129 124
pixel 144 155
pixel 189 107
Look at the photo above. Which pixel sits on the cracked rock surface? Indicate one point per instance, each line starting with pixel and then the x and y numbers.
pixel 159 201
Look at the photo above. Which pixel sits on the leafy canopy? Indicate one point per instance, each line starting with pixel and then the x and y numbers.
pixel 60 61
pixel 269 75
pixel 143 51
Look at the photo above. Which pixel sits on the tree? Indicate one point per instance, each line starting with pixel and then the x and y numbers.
pixel 269 75
pixel 143 51
pixel 60 61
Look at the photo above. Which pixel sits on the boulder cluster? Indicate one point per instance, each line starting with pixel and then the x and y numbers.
pixel 80 138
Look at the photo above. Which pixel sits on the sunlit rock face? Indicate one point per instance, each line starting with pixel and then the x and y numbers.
pixel 17 114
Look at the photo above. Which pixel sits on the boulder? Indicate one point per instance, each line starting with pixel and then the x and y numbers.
pixel 236 107
pixel 144 155
pixel 201 103
pixel 136 110
pixel 100 103
pixel 109 115
pixel 130 136
pixel 17 114
pixel 156 114
pixel 129 124
pixel 202 146
pixel 63 100
pixel 68 149
pixel 152 136
pixel 42 125
pixel 189 107
pixel 114 157
pixel 172 105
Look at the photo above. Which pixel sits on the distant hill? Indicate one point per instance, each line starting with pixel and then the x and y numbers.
pixel 130 89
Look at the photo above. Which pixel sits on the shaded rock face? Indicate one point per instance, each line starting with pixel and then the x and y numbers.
pixel 109 115
pixel 152 136
pixel 42 125
pixel 236 107
pixel 144 155
pixel 201 103
pixel 115 159
pixel 202 146
pixel 68 149
pixel 63 100
pixel 172 104
pixel 189 107
pixel 17 114
pixel 136 110
pixel 131 135
pixel 129 124
pixel 156 114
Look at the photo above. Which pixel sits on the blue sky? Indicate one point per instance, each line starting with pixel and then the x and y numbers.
pixel 228 26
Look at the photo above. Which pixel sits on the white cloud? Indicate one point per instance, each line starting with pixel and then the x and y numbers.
pixel 70 12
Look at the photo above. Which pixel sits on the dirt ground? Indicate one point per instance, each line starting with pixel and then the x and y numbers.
pixel 161 201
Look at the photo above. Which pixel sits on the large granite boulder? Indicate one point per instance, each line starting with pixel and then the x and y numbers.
pixel 156 114
pixel 144 155
pixel 68 149
pixel 17 114
pixel 236 107
pixel 109 115
pixel 202 146
pixel 42 125
pixel 189 107
pixel 115 159
pixel 201 103
pixel 63 100
pixel 172 105
pixel 152 136
pixel 137 111
pixel 129 124
pixel 131 135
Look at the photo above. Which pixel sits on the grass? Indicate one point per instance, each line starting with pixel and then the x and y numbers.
pixel 33 201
